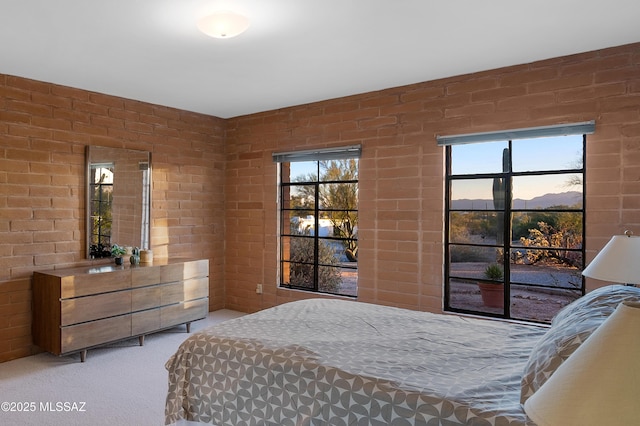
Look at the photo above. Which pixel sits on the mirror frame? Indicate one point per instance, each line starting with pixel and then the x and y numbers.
pixel 88 194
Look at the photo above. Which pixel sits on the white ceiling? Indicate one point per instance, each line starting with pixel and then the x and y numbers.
pixel 295 51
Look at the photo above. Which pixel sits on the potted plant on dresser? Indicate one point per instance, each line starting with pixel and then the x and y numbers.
pixel 117 252
pixel 493 292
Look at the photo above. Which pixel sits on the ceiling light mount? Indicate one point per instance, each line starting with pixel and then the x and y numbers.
pixel 223 24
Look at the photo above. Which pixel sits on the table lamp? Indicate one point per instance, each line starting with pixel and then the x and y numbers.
pixel 618 261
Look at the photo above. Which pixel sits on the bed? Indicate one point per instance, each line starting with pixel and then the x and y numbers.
pixel 339 362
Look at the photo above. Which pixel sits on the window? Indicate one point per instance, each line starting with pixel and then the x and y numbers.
pixel 319 220
pixel 514 224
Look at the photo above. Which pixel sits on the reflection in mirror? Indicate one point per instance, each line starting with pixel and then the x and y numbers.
pixel 118 199
pixel 101 193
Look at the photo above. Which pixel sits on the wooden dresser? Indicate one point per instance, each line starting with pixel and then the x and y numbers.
pixel 80 308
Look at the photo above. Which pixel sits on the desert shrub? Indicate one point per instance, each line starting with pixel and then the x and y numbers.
pixel 548 244
pixel 302 265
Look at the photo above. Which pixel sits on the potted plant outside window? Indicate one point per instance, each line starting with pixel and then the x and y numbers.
pixel 493 293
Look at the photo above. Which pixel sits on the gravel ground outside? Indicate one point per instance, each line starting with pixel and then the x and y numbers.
pixel 527 303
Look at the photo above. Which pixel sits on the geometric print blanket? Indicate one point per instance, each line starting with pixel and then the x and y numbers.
pixel 339 362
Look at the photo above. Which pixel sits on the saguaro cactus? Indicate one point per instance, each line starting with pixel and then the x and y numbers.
pixel 499 195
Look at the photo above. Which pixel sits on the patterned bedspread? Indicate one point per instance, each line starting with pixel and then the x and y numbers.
pixel 337 362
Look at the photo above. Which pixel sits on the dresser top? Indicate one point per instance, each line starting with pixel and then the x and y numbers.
pixel 112 267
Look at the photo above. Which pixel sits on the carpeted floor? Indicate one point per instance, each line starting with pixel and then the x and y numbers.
pixel 121 384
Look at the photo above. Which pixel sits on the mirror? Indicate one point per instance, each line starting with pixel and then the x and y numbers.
pixel 118 199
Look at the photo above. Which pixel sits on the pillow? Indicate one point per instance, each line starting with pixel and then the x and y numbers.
pixel 571 326
pixel 602 301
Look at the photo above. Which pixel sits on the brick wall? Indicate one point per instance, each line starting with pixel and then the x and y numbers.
pixel 401 170
pixel 44 129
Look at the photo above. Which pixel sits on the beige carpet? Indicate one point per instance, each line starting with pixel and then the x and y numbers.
pixel 121 384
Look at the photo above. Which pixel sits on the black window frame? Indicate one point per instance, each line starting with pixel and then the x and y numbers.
pixel 507 246
pixel 317 212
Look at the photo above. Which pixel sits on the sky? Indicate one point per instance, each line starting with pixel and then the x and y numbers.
pixel 303 168
pixel 539 154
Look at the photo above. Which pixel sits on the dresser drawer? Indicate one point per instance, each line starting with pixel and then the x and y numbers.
pixel 185 290
pixel 145 321
pixel 94 333
pixel 145 298
pixel 183 312
pixel 83 285
pixel 89 308
pixel 184 271
pixel 145 275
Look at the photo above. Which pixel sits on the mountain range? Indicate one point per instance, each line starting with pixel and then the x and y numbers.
pixel 569 198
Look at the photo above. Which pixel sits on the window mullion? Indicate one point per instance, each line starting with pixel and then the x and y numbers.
pixel 316 235
pixel 508 236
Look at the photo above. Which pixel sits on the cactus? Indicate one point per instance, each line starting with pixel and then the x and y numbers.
pixel 499 195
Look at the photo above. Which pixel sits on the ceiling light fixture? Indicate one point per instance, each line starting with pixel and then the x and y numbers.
pixel 223 24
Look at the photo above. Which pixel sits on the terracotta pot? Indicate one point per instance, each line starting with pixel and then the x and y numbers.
pixel 492 295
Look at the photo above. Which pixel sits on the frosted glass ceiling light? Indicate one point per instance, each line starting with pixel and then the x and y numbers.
pixel 223 24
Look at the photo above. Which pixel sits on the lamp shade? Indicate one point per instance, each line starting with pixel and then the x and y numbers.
pixel 618 261
pixel 223 24
pixel 599 384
